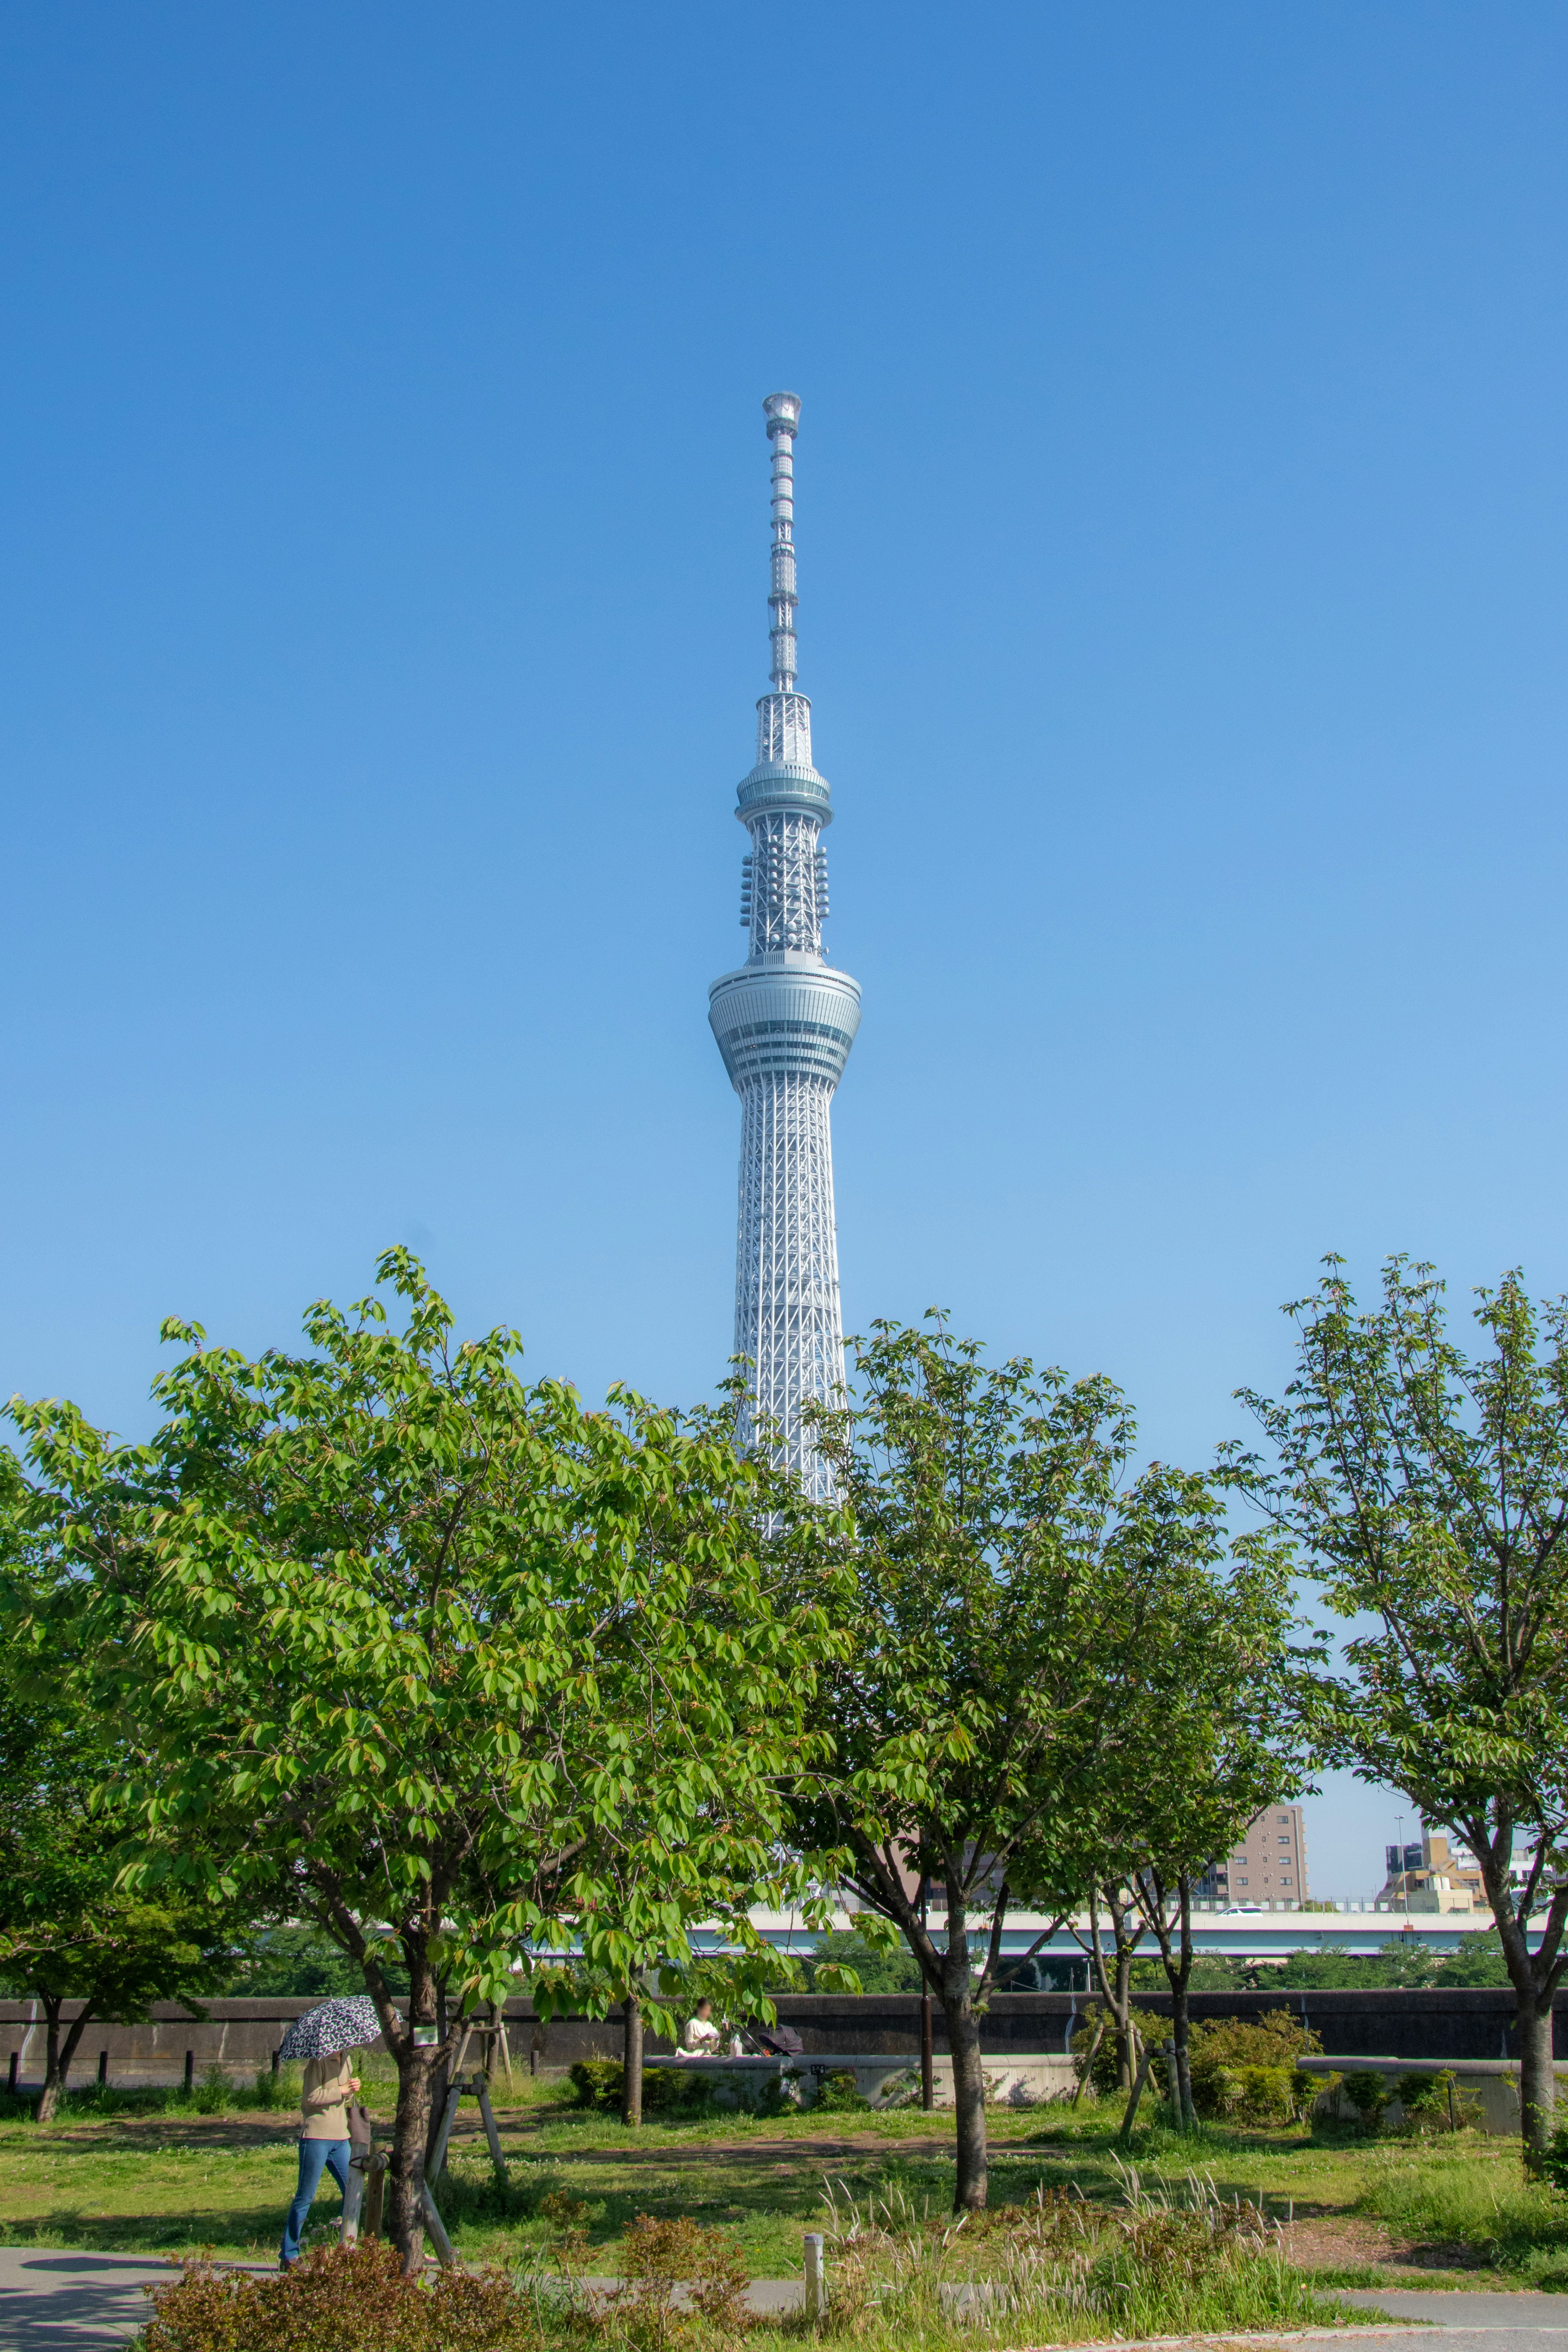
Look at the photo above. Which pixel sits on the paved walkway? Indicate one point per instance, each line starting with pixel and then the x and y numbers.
pixel 53 2301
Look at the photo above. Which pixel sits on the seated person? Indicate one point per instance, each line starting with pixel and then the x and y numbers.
pixel 699 2037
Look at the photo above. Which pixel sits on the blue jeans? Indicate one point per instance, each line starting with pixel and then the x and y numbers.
pixel 316 2156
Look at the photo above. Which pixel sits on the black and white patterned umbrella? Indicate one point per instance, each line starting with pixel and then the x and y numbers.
pixel 331 2027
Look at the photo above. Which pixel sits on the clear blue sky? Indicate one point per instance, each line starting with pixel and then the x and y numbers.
pixel 1184 500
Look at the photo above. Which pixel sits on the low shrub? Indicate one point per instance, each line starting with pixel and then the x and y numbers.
pixel 600 2083
pixel 1435 2103
pixel 341 2299
pixel 1245 2069
pixel 214 2092
pixel 838 2094
pixel 1368 2095
pixel 1554 2162
pixel 1105 2075
pixel 1257 2094
pixel 657 2257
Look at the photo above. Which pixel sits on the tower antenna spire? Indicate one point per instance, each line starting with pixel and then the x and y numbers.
pixel 782 410
pixel 784 1022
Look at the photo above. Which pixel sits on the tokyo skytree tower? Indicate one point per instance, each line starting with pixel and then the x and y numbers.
pixel 784 1022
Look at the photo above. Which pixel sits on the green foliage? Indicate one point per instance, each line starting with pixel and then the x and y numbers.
pixel 1368 2093
pixel 1428 1492
pixel 1246 2068
pixel 840 2094
pixel 405 1640
pixel 341 2299
pixel 1062 2267
pixel 300 1963
pixel 1457 2197
pixel 69 1929
pixel 1436 2102
pixel 670 2091
pixel 1554 2162
pixel 1479 1962
pixel 1255 2094
pixel 662 2259
pixel 599 2082
pixel 1211 1972
pixel 877 1969
pixel 1105 2069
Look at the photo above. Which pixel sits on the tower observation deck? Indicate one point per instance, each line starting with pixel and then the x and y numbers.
pixel 784 1022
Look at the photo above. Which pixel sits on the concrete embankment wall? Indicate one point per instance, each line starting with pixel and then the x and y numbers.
pixel 241 2035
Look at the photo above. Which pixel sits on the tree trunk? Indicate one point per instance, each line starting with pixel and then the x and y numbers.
pixel 1537 2081
pixel 969 2102
pixel 405 2173
pixel 1181 2037
pixel 631 2092
pixel 418 2066
pixel 1535 1977
pixel 57 2054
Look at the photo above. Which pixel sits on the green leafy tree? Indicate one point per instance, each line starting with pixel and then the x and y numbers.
pixel 1427 1491
pixel 876 1967
pixel 1196 1626
pixel 440 1647
pixel 70 1935
pixel 1203 1745
pixel 1480 1961
pixel 996 1562
pixel 295 1963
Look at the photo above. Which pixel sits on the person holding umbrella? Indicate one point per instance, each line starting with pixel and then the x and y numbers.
pixel 323 2038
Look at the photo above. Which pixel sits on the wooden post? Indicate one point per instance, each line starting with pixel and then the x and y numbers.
pixel 190 2072
pixel 375 2196
pixel 435 2226
pixel 276 2055
pixel 928 2060
pixel 631 2065
pixel 11 2070
pixel 354 2198
pixel 498 2011
pixel 488 2112
pixel 444 2133
pixel 1095 2040
pixel 1130 2117
pixel 815 2281
pixel 103 2068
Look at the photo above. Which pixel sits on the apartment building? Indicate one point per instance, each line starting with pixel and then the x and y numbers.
pixel 1267 1867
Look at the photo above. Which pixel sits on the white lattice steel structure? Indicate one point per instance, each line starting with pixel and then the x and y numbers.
pixel 785 1023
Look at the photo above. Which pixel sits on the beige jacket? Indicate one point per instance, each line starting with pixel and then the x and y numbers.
pixel 324 2097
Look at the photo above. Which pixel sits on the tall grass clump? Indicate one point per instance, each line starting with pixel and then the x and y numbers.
pixel 1153 2264
pixel 1472 2200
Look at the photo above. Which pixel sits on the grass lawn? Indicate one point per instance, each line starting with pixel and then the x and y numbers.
pixel 1449 2210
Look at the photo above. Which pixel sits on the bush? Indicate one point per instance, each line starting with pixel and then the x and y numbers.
pixel 1368 2095
pixel 1435 2103
pixel 1257 2094
pixel 341 2299
pixel 1555 2161
pixel 838 2094
pixel 1106 2077
pixel 600 2083
pixel 1232 2055
pixel 212 2093
pixel 657 2255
